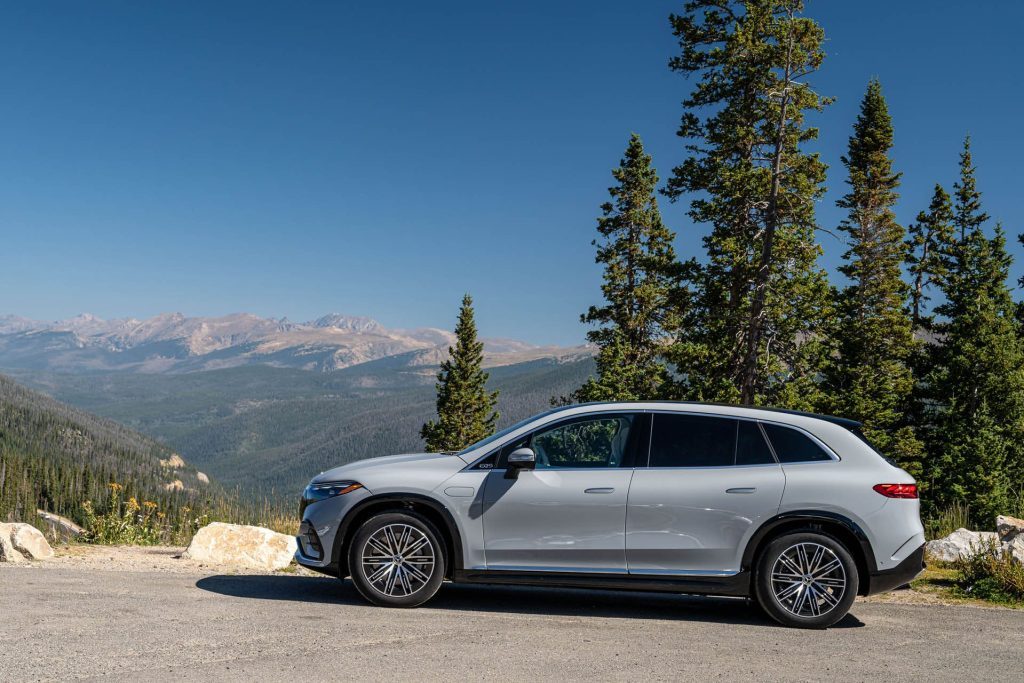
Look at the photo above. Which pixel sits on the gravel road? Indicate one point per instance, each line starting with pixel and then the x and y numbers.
pixel 82 618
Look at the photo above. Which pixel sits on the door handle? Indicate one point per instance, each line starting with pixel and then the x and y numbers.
pixel 599 490
pixel 748 489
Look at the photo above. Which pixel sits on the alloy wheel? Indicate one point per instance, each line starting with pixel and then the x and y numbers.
pixel 808 580
pixel 398 560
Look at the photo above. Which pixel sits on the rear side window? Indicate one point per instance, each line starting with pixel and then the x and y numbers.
pixel 793 446
pixel 706 441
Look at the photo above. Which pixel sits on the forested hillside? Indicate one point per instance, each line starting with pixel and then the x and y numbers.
pixel 271 429
pixel 56 457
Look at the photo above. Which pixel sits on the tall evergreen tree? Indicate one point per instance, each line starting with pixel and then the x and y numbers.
pixel 976 447
pixel 640 287
pixel 928 246
pixel 755 329
pixel 465 409
pixel 870 377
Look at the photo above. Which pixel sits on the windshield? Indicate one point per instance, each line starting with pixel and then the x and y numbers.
pixel 505 432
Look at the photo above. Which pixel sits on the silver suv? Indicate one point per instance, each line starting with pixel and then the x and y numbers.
pixel 795 510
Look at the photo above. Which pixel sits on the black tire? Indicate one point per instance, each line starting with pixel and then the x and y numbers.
pixel 807 602
pixel 391 590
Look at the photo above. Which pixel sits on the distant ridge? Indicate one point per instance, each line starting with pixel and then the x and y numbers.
pixel 175 343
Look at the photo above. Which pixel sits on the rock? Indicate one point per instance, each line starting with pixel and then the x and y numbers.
pixel 60 527
pixel 7 551
pixel 29 541
pixel 1009 528
pixel 960 543
pixel 1015 548
pixel 202 478
pixel 246 546
pixel 175 485
pixel 174 462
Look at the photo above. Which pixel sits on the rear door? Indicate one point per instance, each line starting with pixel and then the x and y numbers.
pixel 569 514
pixel 711 481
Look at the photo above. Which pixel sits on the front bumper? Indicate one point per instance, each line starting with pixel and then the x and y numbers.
pixel 900 575
pixel 318 533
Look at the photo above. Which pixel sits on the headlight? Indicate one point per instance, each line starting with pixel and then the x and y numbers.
pixel 325 490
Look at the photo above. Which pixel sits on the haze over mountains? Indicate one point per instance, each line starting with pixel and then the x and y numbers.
pixel 267 403
pixel 174 343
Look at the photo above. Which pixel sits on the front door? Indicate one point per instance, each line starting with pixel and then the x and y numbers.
pixel 711 482
pixel 568 514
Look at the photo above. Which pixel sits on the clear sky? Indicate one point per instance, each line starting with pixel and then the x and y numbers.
pixel 292 159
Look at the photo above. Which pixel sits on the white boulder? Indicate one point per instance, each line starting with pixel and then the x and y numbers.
pixel 1014 548
pixel 1009 528
pixel 30 542
pixel 7 551
pixel 21 541
pixel 960 543
pixel 245 546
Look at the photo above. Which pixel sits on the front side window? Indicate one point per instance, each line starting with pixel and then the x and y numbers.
pixel 791 445
pixel 585 443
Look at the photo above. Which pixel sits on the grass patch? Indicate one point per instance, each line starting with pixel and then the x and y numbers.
pixel 947 520
pixel 947 583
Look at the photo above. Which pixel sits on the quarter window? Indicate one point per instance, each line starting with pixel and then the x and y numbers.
pixel 793 446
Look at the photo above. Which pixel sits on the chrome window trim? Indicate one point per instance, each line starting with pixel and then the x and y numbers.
pixel 555 418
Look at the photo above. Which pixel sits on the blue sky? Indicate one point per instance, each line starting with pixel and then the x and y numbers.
pixel 291 159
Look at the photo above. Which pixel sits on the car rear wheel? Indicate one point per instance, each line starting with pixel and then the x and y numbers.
pixel 806 580
pixel 397 560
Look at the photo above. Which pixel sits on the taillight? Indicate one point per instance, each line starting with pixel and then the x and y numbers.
pixel 897 490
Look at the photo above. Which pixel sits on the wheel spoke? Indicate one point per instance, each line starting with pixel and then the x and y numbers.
pixel 381 573
pixel 379 547
pixel 827 568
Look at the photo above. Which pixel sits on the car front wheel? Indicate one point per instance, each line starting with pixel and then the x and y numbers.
pixel 806 580
pixel 397 560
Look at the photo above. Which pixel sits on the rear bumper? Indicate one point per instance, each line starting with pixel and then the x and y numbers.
pixel 900 575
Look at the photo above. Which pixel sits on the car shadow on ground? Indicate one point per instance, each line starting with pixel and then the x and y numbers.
pixel 508 599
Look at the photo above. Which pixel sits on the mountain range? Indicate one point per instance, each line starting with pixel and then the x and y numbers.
pixel 175 343
pixel 262 403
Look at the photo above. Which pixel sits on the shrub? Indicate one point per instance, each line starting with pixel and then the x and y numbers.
pixel 127 522
pixel 991 575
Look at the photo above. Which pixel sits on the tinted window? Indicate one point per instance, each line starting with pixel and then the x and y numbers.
pixel 751 448
pixel 692 441
pixel 793 446
pixel 593 442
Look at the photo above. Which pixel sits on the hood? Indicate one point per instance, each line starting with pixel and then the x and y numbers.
pixel 365 471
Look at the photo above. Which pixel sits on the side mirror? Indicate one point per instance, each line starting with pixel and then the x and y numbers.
pixel 520 459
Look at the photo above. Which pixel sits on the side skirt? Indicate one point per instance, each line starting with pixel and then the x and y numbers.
pixel 736 586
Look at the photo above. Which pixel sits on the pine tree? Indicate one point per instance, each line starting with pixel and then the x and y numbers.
pixel 754 332
pixel 976 449
pixel 641 278
pixel 928 246
pixel 465 409
pixel 870 378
